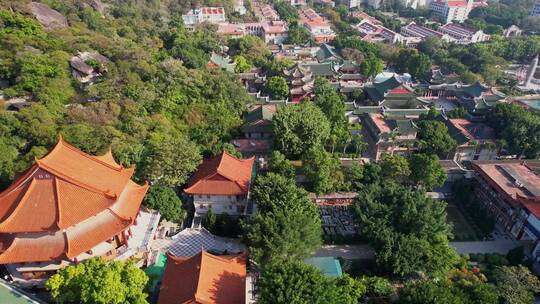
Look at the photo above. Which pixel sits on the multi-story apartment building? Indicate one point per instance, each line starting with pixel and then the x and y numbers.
pixel 510 190
pixel 318 26
pixel 463 35
pixel 272 32
pixel 204 14
pixel 451 10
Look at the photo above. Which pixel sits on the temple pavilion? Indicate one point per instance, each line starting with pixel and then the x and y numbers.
pixel 68 207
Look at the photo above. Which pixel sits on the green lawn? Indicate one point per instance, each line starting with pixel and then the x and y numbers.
pixel 462 229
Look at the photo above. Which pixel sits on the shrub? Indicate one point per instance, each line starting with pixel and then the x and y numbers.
pixel 379 287
pixel 480 258
pixel 515 256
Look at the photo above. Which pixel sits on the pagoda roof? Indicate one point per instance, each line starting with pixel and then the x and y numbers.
pixel 322 69
pixel 327 52
pixel 377 90
pixel 55 205
pixel 204 278
pixel 464 131
pixel 259 119
pixel 222 175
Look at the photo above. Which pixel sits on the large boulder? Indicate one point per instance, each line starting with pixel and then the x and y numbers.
pixel 48 17
pixel 87 67
pixel 96 4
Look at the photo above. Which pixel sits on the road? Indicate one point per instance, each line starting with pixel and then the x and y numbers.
pixel 365 251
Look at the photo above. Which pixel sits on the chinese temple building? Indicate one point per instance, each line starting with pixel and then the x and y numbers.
pixel 300 81
pixel 68 207
pixel 222 184
pixel 204 278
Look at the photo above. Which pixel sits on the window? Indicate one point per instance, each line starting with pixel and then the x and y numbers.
pixel 208 196
pixel 230 207
pixel 201 206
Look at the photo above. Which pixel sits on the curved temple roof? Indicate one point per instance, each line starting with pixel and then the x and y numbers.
pixel 65 204
pixel 222 175
pixel 204 278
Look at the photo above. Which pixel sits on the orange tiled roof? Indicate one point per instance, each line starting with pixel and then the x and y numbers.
pixel 65 204
pixel 50 246
pixel 204 279
pixel 222 175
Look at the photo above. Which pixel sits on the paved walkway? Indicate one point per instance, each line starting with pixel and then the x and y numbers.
pixel 365 251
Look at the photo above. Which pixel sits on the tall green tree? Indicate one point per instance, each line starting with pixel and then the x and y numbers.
pixel 426 171
pixel 371 66
pixel 408 230
pixel 516 284
pixel 253 48
pixel 333 106
pixel 519 128
pixel 287 226
pixel 434 138
pixel 322 170
pixel 163 163
pixel 166 201
pixel 280 165
pixel 449 291
pixel 286 11
pixel 413 62
pixel 100 282
pixel 298 35
pixel 395 167
pixel 299 127
pixel 277 87
pixel 298 283
pixel 242 65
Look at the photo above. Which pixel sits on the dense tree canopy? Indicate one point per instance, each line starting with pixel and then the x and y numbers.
pixel 332 105
pixel 166 201
pixel 298 35
pixel 280 165
pixel 253 48
pixel 277 88
pixel 395 167
pixel 287 226
pixel 516 284
pixel 408 230
pixel 299 127
pixel 426 171
pixel 413 62
pixel 100 282
pixel 434 138
pixel 298 283
pixel 286 11
pixel 147 103
pixel 460 287
pixel 163 163
pixel 322 170
pixel 518 128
